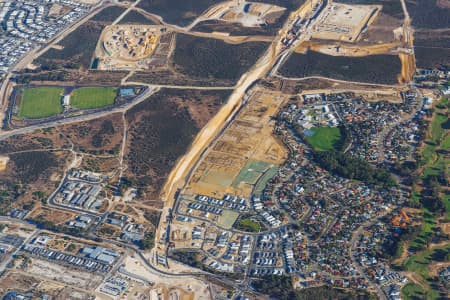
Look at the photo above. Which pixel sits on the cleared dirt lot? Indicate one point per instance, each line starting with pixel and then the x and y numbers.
pixel 344 22
pixel 345 49
pixel 63 274
pixel 249 137
pixel 52 215
pixel 18 281
pixel 194 288
pixel 3 162
pixel 247 14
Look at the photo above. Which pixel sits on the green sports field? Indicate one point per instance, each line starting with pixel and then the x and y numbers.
pixel 324 138
pixel 92 97
pixel 228 218
pixel 250 172
pixel 40 102
pixel 262 181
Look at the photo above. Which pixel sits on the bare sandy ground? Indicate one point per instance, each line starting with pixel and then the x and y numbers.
pixel 184 284
pixel 3 162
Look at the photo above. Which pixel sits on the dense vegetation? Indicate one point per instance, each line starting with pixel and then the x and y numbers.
pixel 326 292
pixel 351 167
pixel 213 58
pixel 102 136
pixel 161 130
pixel 432 38
pixel 247 224
pixel 430 57
pixel 430 194
pixel 106 129
pixel 79 46
pixel 45 76
pixel 372 69
pixel 108 14
pixel 190 258
pixel 133 17
pixel 9 191
pixel 277 287
pixel 429 178
pixel 157 140
pixel 171 77
pixel 393 246
pixel 42 223
pixel 29 166
pixel 428 14
pixel 149 241
pixel 280 287
pixel 432 47
pixel 328 153
pixel 420 265
pixel 179 12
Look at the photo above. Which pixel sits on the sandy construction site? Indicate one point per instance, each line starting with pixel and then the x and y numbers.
pixel 127 47
pixel 344 22
pixel 3 162
pixel 249 14
pixel 168 287
pixel 244 152
pixel 345 49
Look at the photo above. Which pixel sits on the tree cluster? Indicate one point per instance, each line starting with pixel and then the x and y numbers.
pixel 351 167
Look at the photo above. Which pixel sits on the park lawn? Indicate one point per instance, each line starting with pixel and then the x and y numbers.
pixel 419 262
pixel 412 291
pixel 40 102
pixel 436 162
pixel 437 130
pixel 435 168
pixel 428 225
pixel 248 225
pixel 250 173
pixel 446 199
pixel 324 138
pixel 428 152
pixel 446 143
pixel 262 181
pixel 92 97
